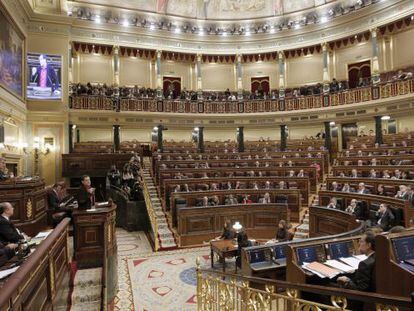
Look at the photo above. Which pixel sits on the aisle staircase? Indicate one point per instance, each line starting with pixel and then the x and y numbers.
pixel 87 290
pixel 164 238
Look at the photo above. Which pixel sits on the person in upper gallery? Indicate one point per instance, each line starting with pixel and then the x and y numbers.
pixel 214 201
pixel 246 199
pixel 7 252
pixel 266 199
pixel 228 232
pixel 347 188
pixel 363 279
pixel 301 173
pixel 385 217
pixel 177 188
pixel 86 194
pixel 380 190
pixel 4 173
pixel 335 186
pixel 267 185
pixel 282 185
pixel 355 209
pixel 354 173
pixel 282 233
pixel 372 173
pixel 333 203
pixel 403 193
pixel 8 232
pixel 204 202
pixel 230 200
pixel 362 189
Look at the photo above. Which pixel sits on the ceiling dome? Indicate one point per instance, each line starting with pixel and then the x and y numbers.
pixel 220 9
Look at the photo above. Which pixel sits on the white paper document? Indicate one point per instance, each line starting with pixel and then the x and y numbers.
pixel 7 272
pixel 339 266
pixel 351 261
pixel 43 234
pixel 361 257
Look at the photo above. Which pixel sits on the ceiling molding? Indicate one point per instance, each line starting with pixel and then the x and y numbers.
pixel 88 31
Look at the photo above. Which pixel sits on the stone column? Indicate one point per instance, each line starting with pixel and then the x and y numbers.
pixel 70 70
pixel 115 60
pixel 160 146
pixel 158 74
pixel 340 138
pixel 375 53
pixel 281 62
pixel 116 66
pixel 328 144
pixel 70 136
pixel 240 139
pixel 378 130
pixel 200 140
pixel 283 137
pixel 239 75
pixel 326 77
pixel 199 82
pixel 117 140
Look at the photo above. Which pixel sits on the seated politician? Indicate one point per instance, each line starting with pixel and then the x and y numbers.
pixel 55 203
pixel 86 194
pixel 363 279
pixel 228 232
pixel 8 232
pixel 7 252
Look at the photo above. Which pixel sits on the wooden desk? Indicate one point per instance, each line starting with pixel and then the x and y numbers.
pixel 42 281
pixel 28 197
pixel 94 232
pixel 95 245
pixel 224 249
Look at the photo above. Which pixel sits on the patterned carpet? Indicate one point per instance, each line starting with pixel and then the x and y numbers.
pixel 163 281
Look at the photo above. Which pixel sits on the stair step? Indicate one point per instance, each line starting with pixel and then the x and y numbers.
pixel 92 306
pixel 88 277
pixel 86 294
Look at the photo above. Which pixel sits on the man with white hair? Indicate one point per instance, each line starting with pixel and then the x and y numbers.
pixel 403 193
pixel 362 189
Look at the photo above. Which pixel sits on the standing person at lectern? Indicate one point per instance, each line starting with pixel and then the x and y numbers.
pixel 86 194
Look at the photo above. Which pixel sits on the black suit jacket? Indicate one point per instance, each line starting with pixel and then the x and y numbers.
pixel 386 220
pixel 364 277
pixel 84 199
pixel 53 200
pixel 8 232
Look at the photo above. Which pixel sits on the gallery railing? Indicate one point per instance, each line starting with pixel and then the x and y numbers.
pixel 217 291
pixel 351 96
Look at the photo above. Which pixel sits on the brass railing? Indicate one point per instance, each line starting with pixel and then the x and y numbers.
pixel 152 216
pixel 218 291
pixel 345 97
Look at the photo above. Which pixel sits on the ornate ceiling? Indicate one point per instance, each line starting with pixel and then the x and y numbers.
pixel 216 9
pixel 213 26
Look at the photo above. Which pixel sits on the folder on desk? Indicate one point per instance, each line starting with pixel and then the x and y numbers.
pixel 339 266
pixel 321 269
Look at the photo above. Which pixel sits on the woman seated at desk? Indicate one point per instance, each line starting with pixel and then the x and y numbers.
pixel 228 233
pixel 242 241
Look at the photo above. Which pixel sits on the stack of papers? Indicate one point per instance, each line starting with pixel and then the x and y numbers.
pixel 353 261
pixel 321 270
pixel 43 234
pixel 339 266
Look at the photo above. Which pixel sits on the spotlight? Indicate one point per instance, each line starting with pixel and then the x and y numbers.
pixel 324 19
pixel 332 123
pixel 201 32
pixel 385 118
pixel 272 29
pixel 152 26
pixel 125 23
pixel 177 29
pixel 297 26
pixel 97 19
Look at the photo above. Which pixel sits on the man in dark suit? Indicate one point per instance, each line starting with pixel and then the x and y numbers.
pixel 8 232
pixel 45 75
pixel 363 279
pixel 86 194
pixel 53 199
pixel 362 189
pixel 7 252
pixel 385 217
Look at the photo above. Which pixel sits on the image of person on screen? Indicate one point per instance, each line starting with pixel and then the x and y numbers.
pixel 45 75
